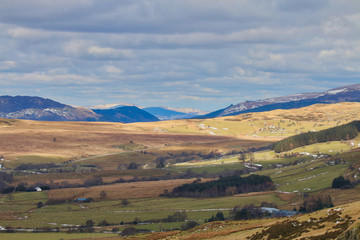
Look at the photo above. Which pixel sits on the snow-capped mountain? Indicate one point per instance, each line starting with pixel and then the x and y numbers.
pixel 37 108
pixel 349 93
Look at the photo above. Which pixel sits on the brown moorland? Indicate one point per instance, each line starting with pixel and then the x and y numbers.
pixel 81 139
pixel 130 190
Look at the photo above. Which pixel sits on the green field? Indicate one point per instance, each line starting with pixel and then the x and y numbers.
pixel 27 215
pixel 327 148
pixel 34 159
pixel 208 169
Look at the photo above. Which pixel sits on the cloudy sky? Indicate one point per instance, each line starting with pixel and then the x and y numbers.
pixel 204 54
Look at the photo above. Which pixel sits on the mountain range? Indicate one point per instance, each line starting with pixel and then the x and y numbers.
pixel 349 93
pixel 37 108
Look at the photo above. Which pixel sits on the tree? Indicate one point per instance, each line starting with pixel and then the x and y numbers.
pixel 103 194
pixel 40 204
pixel 103 223
pixel 89 225
pixel 189 225
pixel 161 163
pixel 133 166
pixel 125 202
pixel 220 216
pixel 128 231
pixel 340 182
pixel 251 157
pixel 242 157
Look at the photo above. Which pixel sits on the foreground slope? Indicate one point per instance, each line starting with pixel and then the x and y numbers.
pixel 333 223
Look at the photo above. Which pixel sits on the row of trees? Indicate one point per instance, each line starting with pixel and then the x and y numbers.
pixel 315 203
pixel 224 186
pixel 343 132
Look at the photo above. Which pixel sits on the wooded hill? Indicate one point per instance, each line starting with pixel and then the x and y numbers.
pixel 344 132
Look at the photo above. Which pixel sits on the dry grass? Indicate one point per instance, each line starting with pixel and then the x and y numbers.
pixel 65 140
pixel 145 189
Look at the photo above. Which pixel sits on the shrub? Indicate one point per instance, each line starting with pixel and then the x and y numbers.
pixel 189 225
pixel 128 231
pixel 218 217
pixel 125 202
pixel 40 204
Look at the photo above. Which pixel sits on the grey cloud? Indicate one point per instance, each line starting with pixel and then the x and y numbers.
pixel 169 52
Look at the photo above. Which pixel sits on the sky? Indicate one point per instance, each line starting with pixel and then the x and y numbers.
pixel 205 54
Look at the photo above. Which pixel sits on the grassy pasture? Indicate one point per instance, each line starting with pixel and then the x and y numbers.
pixel 35 159
pixel 210 169
pixel 80 177
pixel 327 148
pixel 275 124
pixel 145 209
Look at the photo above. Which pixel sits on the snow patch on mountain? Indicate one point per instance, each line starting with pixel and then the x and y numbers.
pixel 111 106
pixel 337 91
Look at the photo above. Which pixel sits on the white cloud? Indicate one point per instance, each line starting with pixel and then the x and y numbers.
pixel 106 52
pixel 113 70
pixel 4 65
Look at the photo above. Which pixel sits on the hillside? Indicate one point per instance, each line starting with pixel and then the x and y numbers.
pixel 349 93
pixel 71 139
pixel 344 132
pixel 273 125
pixel 334 223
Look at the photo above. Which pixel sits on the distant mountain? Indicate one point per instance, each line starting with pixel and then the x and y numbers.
pixel 162 113
pixel 342 94
pixel 190 111
pixel 125 114
pixel 165 114
pixel 110 106
pixel 37 108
